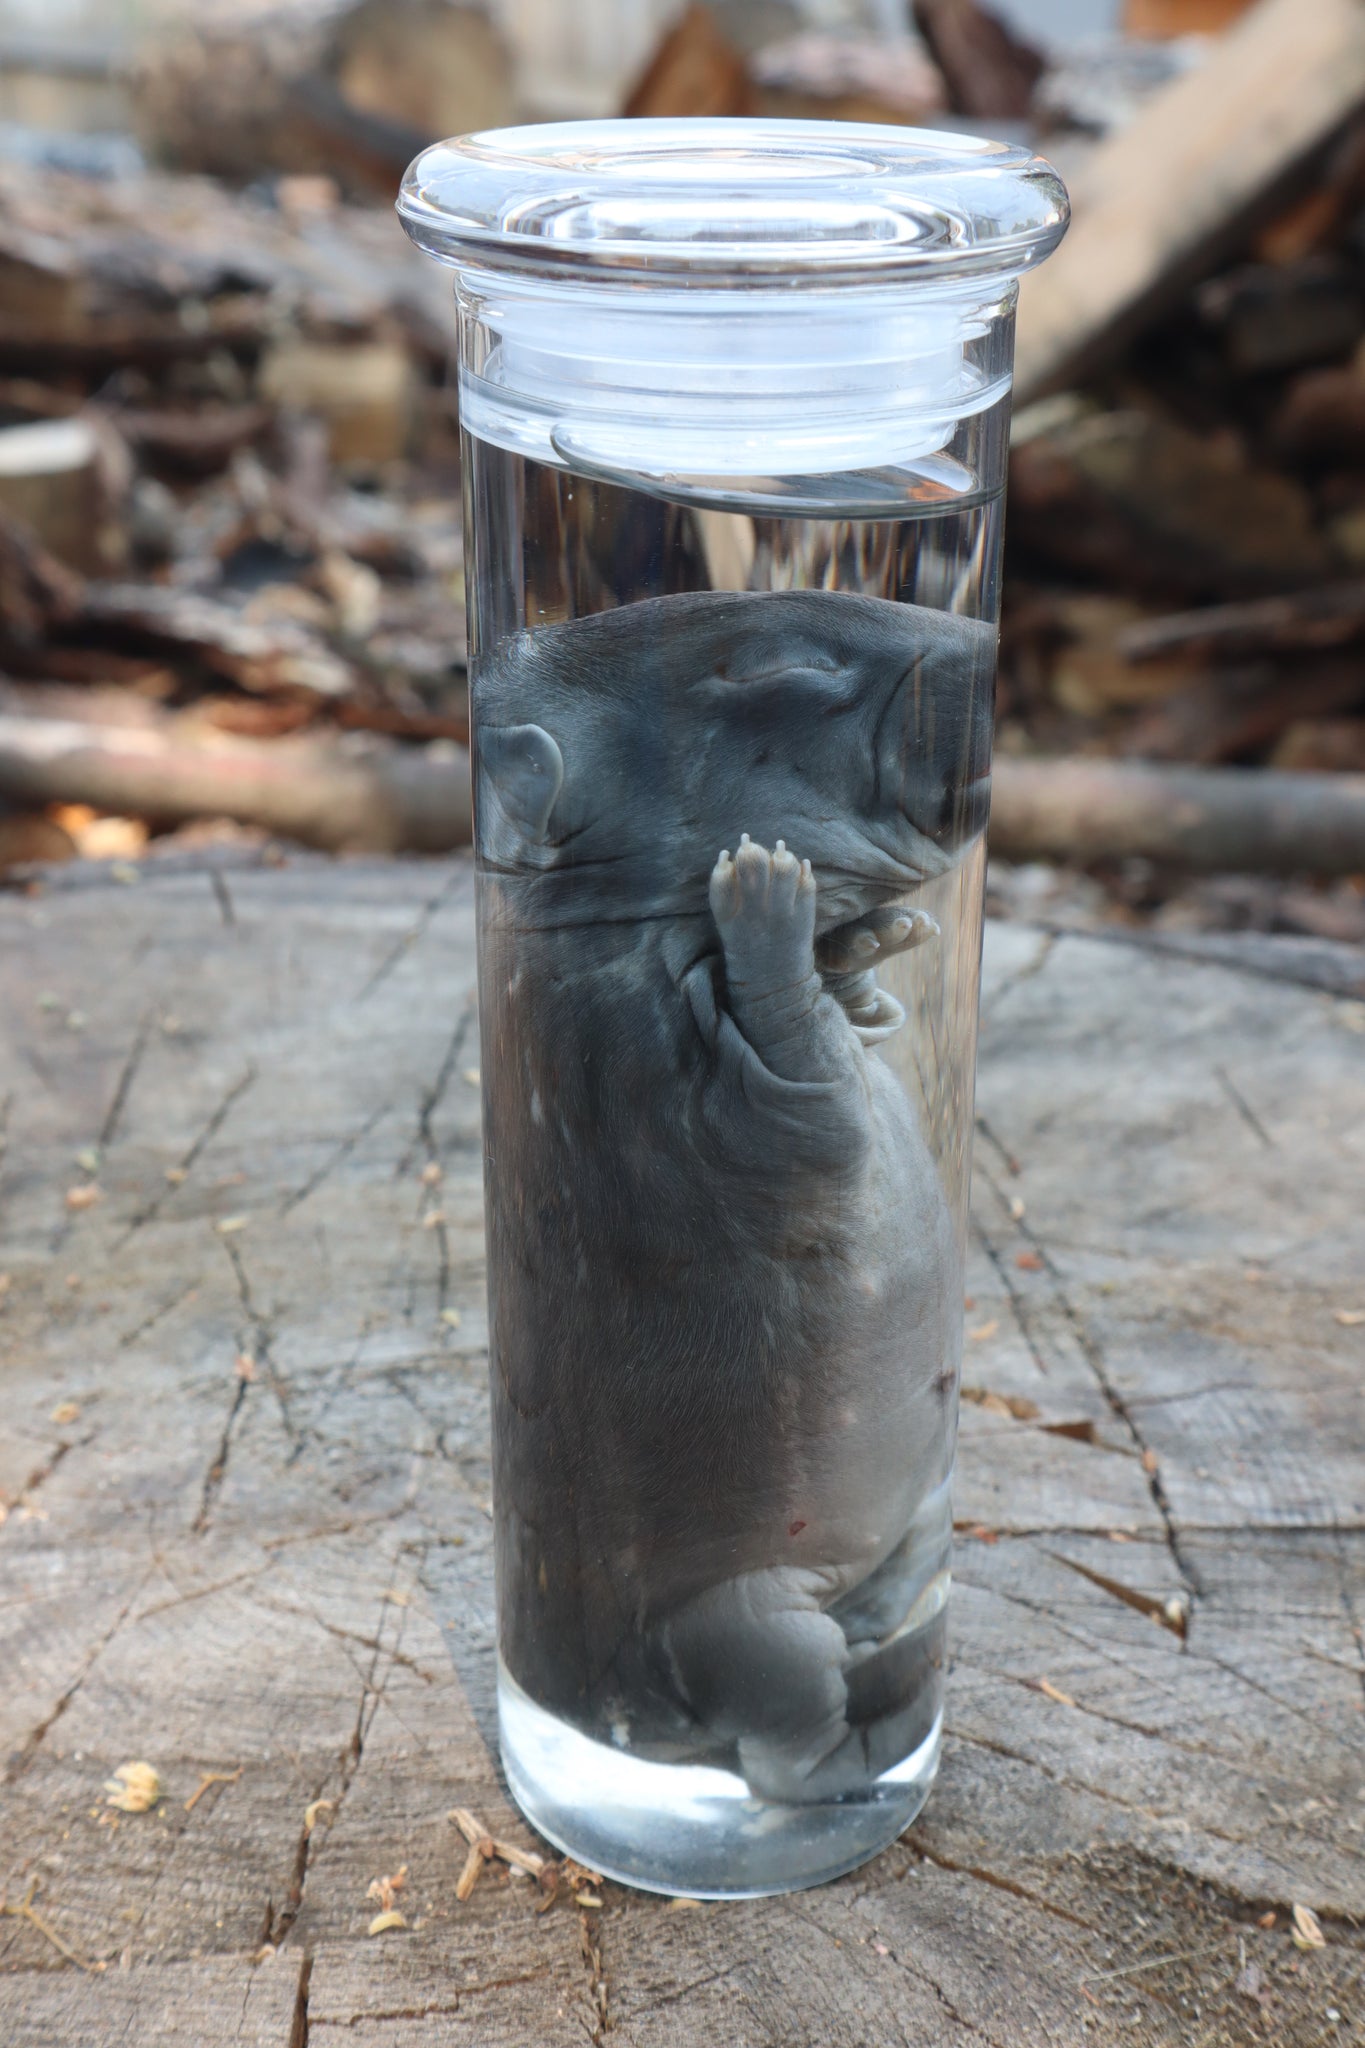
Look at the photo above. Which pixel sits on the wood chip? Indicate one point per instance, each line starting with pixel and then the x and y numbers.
pixel 1017 1207
pixel 383 1889
pixel 451 1318
pixel 519 1859
pixel 228 1226
pixel 1306 1929
pixel 1149 1463
pixel 67 1411
pixel 472 1076
pixel 211 1778
pixel 387 1922
pixel 984 1330
pixel 83 1197
pixel 432 1176
pixel 246 1366
pixel 473 1866
pixel 1054 1692
pixel 1350 1318
pixel 1028 1262
pixel 134 1788
pixel 469 1825
pixel 316 1811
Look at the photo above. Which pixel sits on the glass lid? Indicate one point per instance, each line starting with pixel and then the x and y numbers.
pixel 734 201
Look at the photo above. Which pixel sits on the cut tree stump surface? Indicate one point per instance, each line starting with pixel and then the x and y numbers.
pixel 245 1457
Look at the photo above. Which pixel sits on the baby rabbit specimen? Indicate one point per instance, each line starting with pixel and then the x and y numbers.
pixel 725 1290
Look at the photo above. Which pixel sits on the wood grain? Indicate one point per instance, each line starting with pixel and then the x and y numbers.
pixel 246 1464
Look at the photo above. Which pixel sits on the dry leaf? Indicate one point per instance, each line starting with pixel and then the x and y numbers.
pixel 386 1922
pixel 1028 1262
pixel 1054 1692
pixel 396 1599
pixel 984 1330
pixel 134 1788
pixel 83 1197
pixel 314 1812
pixel 1017 1405
pixel 1306 1930
pixel 1267 1919
pixel 67 1411
pixel 1350 1318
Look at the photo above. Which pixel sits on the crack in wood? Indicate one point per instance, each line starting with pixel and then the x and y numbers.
pixel 415 933
pixel 19 1761
pixel 149 1322
pixel 1093 1355
pixel 188 1160
pixel 299 2028
pixel 982 1875
pixel 1014 1296
pixel 262 1332
pixel 222 896
pixel 123 1086
pixel 388 2015
pixel 277 1926
pixel 213 1478
pixel 1243 1108
pixel 340 1152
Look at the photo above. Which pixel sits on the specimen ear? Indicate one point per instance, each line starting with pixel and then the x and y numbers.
pixel 524 769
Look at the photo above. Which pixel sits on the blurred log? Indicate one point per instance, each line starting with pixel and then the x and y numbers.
pixel 352 91
pixel 28 836
pixel 1303 619
pixel 1320 422
pixel 1334 744
pixel 990 73
pixel 1207 161
pixel 258 655
pixel 848 78
pixel 37 591
pixel 191 442
pixel 1237 714
pixel 1276 317
pixel 1164 18
pixel 53 477
pixel 694 71
pixel 1237 820
pixel 339 797
pixel 1142 504
pixel 364 391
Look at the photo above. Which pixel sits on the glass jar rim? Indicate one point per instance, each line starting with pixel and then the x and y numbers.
pixel 733 202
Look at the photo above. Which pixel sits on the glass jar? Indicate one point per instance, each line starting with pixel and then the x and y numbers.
pixel 734 399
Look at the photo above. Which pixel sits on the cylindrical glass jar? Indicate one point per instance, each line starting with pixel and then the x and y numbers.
pixel 735 401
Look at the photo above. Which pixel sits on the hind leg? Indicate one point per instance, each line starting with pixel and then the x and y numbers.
pixel 761 1666
pixel 847 959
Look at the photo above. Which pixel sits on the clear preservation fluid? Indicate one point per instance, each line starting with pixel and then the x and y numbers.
pixel 731 780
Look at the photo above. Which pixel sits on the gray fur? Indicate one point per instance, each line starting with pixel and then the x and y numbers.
pixel 724 1285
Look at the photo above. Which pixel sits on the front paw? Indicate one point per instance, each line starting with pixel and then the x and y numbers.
pixel 857 947
pixel 764 903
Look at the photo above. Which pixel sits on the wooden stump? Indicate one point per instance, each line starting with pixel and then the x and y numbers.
pixel 246 1464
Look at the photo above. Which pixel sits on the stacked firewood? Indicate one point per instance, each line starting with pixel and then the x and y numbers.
pixel 231 574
